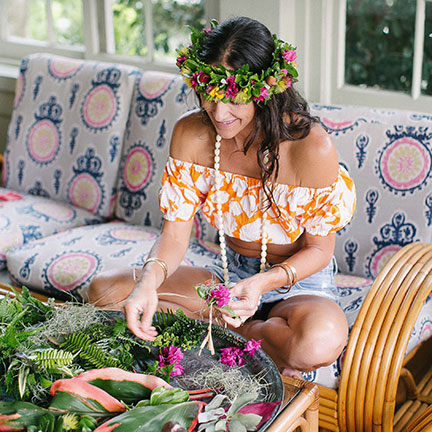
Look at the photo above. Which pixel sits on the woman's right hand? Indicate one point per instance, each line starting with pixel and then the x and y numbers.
pixel 139 309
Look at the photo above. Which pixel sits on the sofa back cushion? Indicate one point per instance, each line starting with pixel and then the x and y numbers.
pixel 67 130
pixel 159 99
pixel 388 153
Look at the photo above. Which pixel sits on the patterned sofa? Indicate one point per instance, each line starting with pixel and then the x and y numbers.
pixel 86 148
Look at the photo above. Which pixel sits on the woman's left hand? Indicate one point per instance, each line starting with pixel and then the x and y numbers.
pixel 245 299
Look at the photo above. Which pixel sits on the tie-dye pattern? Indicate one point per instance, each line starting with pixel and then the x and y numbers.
pixel 187 188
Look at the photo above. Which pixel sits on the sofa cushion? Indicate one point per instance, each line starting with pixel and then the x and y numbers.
pixel 159 99
pixel 63 265
pixel 391 165
pixel 24 218
pixel 67 130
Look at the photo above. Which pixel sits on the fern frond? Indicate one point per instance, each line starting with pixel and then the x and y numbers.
pixel 86 349
pixel 53 358
pixel 163 319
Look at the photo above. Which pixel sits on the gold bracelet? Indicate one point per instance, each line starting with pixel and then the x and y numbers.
pixel 289 278
pixel 294 273
pixel 160 262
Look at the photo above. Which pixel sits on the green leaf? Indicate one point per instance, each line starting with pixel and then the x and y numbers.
pixel 241 401
pixel 162 395
pixel 237 426
pixel 152 418
pixel 250 421
pixel 22 380
pixel 79 396
pixel 16 416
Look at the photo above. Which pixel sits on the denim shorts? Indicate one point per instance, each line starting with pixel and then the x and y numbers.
pixel 241 267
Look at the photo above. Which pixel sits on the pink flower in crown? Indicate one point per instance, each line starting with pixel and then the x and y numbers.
pixel 263 96
pixel 284 71
pixel 199 78
pixel 232 89
pixel 232 356
pixel 220 295
pixel 180 60
pixel 289 55
pixel 251 347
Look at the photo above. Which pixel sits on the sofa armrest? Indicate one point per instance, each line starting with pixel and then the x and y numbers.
pixel 379 339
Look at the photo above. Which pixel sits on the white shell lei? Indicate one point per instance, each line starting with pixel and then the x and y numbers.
pixel 219 218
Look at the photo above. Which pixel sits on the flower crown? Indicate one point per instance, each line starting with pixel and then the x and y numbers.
pixel 238 86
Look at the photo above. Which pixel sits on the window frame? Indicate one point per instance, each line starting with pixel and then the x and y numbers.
pixel 98 38
pixel 342 92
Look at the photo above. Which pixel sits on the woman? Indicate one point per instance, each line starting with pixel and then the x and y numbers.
pixel 266 174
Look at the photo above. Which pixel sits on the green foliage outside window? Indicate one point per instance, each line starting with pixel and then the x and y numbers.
pixel 170 21
pixel 380 45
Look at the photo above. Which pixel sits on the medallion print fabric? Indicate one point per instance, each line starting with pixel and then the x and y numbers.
pixel 388 154
pixel 62 107
pixel 64 264
pixel 33 218
pixel 158 100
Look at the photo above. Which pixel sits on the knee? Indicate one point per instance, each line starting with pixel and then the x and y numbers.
pixel 323 341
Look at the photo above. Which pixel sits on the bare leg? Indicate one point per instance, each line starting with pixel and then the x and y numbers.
pixel 301 333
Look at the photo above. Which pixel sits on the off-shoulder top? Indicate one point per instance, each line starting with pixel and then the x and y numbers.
pixel 187 188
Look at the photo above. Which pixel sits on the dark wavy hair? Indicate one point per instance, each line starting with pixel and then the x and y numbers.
pixel 239 41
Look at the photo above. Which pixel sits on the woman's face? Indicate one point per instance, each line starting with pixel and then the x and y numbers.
pixel 230 120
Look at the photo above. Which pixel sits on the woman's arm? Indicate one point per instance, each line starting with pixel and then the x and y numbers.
pixel 314 255
pixel 141 304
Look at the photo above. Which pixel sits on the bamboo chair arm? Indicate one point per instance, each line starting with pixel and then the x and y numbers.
pixel 379 338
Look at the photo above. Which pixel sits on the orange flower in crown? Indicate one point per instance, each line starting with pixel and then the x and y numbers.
pixel 240 85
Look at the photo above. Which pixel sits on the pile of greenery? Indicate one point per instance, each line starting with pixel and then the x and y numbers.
pixel 42 342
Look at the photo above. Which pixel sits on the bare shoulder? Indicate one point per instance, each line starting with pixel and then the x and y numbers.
pixel 315 159
pixel 192 139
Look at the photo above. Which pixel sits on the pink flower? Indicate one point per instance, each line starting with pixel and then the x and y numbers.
pixel 199 78
pixel 220 295
pixel 180 61
pixel 264 95
pixel 251 347
pixel 232 356
pixel 171 355
pixel 232 89
pixel 207 30
pixel 289 55
pixel 284 71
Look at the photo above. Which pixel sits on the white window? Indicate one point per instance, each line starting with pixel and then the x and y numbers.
pixel 135 31
pixel 383 55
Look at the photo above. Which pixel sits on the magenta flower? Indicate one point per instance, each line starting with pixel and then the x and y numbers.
pixel 181 60
pixel 219 295
pixel 232 356
pixel 251 347
pixel 289 55
pixel 171 355
pixel 232 89
pixel 264 95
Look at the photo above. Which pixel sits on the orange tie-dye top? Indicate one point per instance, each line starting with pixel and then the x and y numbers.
pixel 187 188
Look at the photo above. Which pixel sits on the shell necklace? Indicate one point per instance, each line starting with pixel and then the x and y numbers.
pixel 219 218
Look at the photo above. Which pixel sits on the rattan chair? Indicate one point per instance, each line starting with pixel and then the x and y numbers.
pixel 422 423
pixel 375 358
